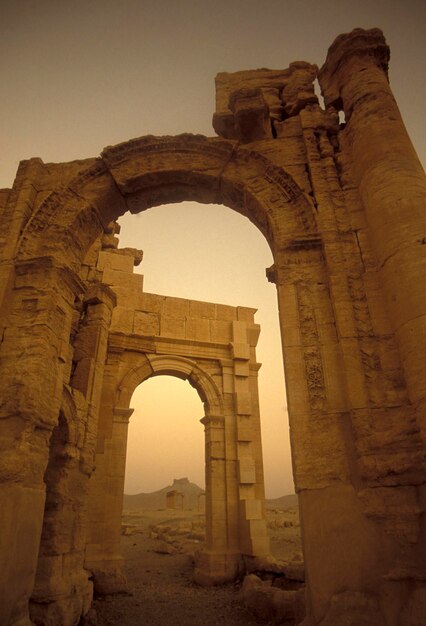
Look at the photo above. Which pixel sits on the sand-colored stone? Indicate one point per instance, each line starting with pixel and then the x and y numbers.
pixel 342 208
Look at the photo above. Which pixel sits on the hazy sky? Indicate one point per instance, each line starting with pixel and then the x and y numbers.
pixel 80 75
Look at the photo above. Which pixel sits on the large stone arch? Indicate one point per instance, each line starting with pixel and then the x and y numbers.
pixel 346 257
pixel 151 171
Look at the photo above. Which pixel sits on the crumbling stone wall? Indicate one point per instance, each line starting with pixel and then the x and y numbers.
pixel 341 205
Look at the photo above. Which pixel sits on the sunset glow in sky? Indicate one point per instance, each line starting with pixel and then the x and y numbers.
pixel 80 75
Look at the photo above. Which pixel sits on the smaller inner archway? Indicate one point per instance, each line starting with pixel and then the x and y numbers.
pixel 164 493
pixel 165 439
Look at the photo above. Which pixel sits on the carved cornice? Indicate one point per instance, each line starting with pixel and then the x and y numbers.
pixel 213 421
pixel 186 142
pixel 121 415
pixel 118 342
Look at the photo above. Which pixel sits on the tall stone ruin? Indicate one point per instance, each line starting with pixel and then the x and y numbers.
pixel 340 196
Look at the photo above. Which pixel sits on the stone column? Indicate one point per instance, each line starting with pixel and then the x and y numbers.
pixel 106 485
pixel 392 185
pixel 214 564
pixel 90 348
pixel 253 540
pixel 90 352
pixel 36 342
pixel 103 553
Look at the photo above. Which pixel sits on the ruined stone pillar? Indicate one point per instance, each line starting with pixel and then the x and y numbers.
pixel 90 347
pixel 90 355
pixel 63 590
pixel 36 360
pixel 214 564
pixel 103 554
pixel 252 540
pixel 392 185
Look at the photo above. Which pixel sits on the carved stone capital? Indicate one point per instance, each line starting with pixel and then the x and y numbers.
pixel 213 421
pixel 122 416
pixel 367 44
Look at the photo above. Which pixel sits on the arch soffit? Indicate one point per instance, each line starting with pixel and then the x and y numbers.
pixel 150 171
pixel 180 367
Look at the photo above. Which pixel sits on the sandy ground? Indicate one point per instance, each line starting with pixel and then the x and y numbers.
pixel 158 547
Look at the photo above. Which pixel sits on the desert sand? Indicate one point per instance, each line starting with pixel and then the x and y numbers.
pixel 158 547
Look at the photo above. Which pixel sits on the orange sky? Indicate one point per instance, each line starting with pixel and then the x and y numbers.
pixel 80 75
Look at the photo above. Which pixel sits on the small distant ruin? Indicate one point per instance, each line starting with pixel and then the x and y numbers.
pixel 342 206
pixel 184 495
pixel 175 500
pixel 201 503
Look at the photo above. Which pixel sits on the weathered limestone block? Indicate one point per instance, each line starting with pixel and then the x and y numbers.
pixel 396 508
pixel 285 92
pixel 226 84
pixel 268 603
pixel 339 534
pixel 251 115
pixel 220 331
pixel 389 446
pixel 197 329
pixel 146 323
pixel 299 91
pixel 21 518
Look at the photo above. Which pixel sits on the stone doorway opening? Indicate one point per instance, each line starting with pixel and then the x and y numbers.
pixel 165 421
pixel 164 491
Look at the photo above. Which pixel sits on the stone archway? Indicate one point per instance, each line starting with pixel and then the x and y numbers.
pixel 345 253
pixel 215 352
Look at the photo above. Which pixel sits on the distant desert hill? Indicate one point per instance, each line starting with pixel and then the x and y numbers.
pixel 157 499
pixel 285 502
